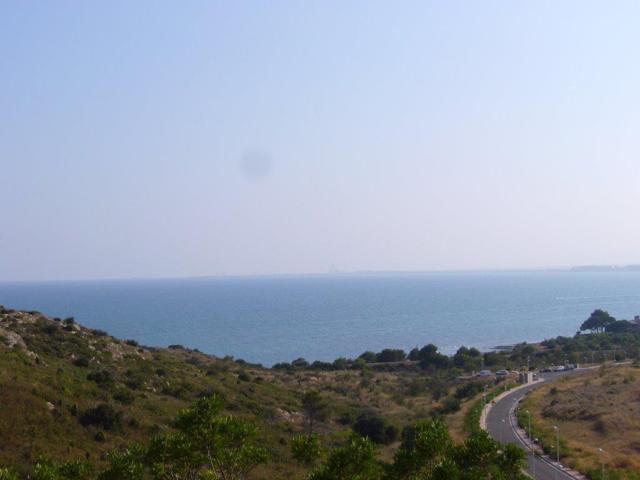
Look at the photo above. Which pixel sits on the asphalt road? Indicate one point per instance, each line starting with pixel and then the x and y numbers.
pixel 499 425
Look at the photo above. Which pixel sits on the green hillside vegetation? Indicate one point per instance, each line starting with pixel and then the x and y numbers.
pixel 75 394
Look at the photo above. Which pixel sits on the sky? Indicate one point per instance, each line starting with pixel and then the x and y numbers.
pixel 161 139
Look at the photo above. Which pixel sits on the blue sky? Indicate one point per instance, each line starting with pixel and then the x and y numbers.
pixel 196 138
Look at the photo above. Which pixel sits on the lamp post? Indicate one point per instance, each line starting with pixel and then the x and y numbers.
pixel 601 451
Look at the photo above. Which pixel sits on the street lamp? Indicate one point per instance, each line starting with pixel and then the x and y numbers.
pixel 601 451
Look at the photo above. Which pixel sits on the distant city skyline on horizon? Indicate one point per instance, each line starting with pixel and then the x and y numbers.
pixel 549 269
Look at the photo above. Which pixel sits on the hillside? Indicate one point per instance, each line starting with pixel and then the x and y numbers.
pixel 72 392
pixel 596 410
pixel 69 392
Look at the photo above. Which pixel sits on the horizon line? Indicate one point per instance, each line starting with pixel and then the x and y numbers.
pixel 336 272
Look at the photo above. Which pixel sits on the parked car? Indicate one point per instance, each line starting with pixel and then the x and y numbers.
pixel 502 373
pixel 558 368
pixel 570 366
pixel 547 369
pixel 485 373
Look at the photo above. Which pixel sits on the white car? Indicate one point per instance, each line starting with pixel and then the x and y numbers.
pixel 485 373
pixel 559 368
pixel 502 373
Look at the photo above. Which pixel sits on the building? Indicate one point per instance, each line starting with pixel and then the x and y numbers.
pixel 525 377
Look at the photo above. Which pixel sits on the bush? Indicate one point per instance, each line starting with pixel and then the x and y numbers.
pixel 391 355
pixel 132 343
pixel 103 415
pixel 81 362
pixel 101 377
pixel 468 390
pixel 369 357
pixel 300 363
pixel 450 405
pixel 124 396
pixel 99 333
pixel 49 328
pixel 375 428
pixel 6 474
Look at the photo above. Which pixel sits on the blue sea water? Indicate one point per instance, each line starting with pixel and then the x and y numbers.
pixel 322 317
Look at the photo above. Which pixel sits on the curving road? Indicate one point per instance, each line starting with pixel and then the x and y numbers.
pixel 501 425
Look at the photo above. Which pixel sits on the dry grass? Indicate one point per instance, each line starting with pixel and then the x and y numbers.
pixel 598 409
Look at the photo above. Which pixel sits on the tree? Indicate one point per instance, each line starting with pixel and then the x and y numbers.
pixel 414 354
pixel 619 326
pixel 422 450
pixel 431 358
pixel 482 457
pixel 512 461
pixel 353 461
pixel 300 363
pixel 306 449
pixel 369 357
pixel 125 464
pixel 467 359
pixel 219 446
pixel 47 469
pixel 391 355
pixel 314 408
pixel 375 428
pixel 597 321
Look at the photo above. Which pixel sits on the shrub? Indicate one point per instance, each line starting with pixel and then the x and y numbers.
pixel 391 355
pixel 375 428
pixel 300 363
pixel 346 418
pixel 244 377
pixel 69 321
pixel 81 362
pixel 468 390
pixel 49 328
pixel 124 396
pixel 450 405
pixel 101 377
pixel 6 474
pixel 132 343
pixel 103 415
pixel 99 333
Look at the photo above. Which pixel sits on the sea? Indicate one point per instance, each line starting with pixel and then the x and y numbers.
pixel 270 319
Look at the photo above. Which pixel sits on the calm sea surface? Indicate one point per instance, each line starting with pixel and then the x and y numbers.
pixel 272 319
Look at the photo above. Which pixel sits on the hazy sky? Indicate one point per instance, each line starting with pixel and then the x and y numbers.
pixel 194 138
